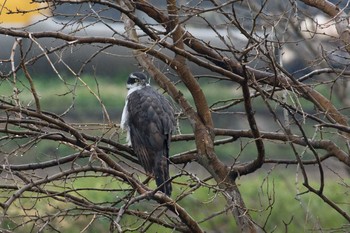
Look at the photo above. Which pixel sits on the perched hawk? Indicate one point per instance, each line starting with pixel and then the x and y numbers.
pixel 149 121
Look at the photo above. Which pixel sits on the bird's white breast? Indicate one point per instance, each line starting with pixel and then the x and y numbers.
pixel 124 123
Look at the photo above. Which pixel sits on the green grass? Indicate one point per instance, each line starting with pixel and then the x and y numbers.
pixel 272 201
pixel 81 98
pixel 292 207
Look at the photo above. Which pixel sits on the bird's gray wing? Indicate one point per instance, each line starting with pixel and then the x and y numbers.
pixel 151 122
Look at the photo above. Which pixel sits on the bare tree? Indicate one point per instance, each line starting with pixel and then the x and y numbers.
pixel 288 72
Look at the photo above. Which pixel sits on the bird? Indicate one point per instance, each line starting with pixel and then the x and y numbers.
pixel 149 121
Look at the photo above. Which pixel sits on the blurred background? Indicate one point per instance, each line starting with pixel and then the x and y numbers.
pixel 85 84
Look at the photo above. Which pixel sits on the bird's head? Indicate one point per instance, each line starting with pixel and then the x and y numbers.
pixel 137 80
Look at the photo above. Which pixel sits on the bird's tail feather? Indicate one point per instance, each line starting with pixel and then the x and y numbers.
pixel 161 173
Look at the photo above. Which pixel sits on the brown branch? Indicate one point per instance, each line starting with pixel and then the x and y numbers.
pixel 180 211
pixel 323 5
pixel 30 80
pixel 339 16
pixel 305 162
pixel 46 164
pixel 48 179
pixel 259 161
pixel 327 145
pixel 174 29
pixel 329 202
pixel 85 203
